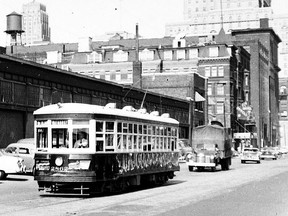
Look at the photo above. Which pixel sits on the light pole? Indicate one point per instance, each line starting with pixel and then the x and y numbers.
pixel 191 121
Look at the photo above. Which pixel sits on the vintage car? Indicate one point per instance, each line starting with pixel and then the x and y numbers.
pixel 10 165
pixel 269 154
pixel 250 154
pixel 25 149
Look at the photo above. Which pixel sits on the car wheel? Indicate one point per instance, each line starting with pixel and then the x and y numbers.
pixel 2 174
pixel 190 168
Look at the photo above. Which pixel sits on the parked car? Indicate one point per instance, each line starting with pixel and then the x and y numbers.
pixel 250 154
pixel 283 150
pixel 25 149
pixel 268 154
pixel 10 165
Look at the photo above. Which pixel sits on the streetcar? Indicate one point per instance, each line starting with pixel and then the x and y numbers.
pixel 86 149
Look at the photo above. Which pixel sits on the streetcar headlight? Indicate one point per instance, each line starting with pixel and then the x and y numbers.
pixel 59 161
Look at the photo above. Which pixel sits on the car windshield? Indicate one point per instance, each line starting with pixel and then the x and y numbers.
pixel 11 149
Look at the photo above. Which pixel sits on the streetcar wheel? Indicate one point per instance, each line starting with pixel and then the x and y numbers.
pixel 33 171
pixel 191 168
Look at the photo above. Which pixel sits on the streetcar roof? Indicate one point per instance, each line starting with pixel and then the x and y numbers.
pixel 80 108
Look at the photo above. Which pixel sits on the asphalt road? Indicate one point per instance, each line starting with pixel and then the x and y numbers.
pixel 246 189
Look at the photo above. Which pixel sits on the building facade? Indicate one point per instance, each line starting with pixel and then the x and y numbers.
pixel 35 24
pixel 262 44
pixel 204 17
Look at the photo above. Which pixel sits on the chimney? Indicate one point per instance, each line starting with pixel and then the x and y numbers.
pixel 137 43
pixel 264 23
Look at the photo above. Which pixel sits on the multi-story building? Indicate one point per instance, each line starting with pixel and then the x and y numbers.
pixel 203 17
pixel 35 23
pixel 262 44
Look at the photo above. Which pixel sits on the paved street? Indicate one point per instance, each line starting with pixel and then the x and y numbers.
pixel 246 189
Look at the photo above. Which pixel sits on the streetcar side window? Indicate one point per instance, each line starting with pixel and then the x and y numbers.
pixel 60 138
pixel 80 138
pixel 99 136
pixel 99 126
pixel 42 138
pixel 99 145
pixel 109 140
pixel 109 126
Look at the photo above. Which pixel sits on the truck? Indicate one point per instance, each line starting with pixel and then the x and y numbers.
pixel 211 146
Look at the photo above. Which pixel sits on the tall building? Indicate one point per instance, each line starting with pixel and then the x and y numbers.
pixel 209 16
pixel 35 23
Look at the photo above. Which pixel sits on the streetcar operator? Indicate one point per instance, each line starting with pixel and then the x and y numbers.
pixel 82 142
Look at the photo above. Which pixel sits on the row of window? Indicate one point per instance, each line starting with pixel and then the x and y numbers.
pixel 219 89
pixel 109 136
pixel 132 128
pixel 214 71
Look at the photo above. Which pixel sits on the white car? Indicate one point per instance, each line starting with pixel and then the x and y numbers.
pixel 250 154
pixel 24 149
pixel 10 165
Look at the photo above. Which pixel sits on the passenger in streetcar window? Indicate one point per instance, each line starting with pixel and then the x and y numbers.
pixel 82 141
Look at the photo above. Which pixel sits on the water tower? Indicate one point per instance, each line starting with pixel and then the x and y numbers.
pixel 14 28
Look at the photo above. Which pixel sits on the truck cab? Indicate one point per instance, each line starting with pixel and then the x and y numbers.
pixel 211 146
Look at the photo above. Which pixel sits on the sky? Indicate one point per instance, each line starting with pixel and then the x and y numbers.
pixel 71 19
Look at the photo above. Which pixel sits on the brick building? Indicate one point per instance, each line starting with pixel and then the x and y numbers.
pixel 262 44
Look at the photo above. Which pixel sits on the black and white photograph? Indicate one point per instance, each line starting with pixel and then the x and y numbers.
pixel 144 108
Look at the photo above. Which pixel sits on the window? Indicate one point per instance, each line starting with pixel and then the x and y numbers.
pixel 214 72
pixel 283 90
pixel 220 89
pixel 209 90
pixel 221 71
pixel 207 71
pixel 193 53
pixel 180 54
pixel 168 55
pixel 60 138
pixel 213 51
pixel 81 138
pixel 42 138
pixel 246 80
pixel 146 55
pixel 120 56
pixel 220 108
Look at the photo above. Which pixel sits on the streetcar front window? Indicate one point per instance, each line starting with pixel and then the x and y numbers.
pixel 60 138
pixel 42 138
pixel 80 138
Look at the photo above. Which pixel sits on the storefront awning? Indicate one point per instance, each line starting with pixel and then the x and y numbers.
pixel 198 97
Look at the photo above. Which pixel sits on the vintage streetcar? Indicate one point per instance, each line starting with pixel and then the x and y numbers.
pixel 84 148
